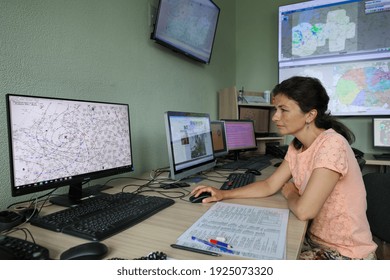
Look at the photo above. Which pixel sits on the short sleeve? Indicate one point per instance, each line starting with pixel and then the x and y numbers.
pixel 332 154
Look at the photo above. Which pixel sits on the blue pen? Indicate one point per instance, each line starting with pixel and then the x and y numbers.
pixel 223 249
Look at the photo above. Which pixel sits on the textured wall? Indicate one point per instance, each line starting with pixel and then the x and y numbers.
pixel 100 50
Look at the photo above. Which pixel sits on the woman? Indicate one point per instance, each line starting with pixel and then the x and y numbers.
pixel 319 176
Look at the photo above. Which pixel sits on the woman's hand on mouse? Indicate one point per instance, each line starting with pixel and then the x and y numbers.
pixel 216 194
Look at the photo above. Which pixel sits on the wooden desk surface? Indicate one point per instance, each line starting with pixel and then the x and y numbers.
pixel 162 229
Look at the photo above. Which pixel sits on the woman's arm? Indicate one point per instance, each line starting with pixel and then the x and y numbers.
pixel 320 185
pixel 263 188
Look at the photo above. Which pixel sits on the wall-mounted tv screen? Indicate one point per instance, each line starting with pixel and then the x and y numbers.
pixel 187 27
pixel 343 43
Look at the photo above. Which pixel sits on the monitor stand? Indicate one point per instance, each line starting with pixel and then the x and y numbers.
pixel 77 194
pixel 194 179
pixel 236 155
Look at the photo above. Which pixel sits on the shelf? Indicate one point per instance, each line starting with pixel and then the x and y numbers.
pixel 255 104
pixel 269 138
pixel 230 107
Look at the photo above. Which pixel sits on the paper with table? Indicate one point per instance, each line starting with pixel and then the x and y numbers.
pixel 252 232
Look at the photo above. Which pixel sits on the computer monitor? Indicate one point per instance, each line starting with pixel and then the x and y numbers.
pixel 218 134
pixel 190 147
pixel 55 142
pixel 381 132
pixel 240 136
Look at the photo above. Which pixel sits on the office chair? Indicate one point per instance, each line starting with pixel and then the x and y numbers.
pixel 378 210
pixel 361 162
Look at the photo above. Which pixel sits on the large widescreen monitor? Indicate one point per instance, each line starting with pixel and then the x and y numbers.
pixel 343 43
pixel 56 142
pixel 190 145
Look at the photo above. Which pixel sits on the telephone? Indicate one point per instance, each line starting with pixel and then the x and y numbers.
pixel 276 150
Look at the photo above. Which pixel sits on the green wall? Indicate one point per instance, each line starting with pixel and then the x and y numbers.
pixel 100 50
pixel 256 40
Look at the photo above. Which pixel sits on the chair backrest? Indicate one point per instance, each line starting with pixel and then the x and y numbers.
pixel 378 204
pixel 361 162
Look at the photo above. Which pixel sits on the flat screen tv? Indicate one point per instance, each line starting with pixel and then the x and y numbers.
pixel 187 27
pixel 57 142
pixel 190 145
pixel 343 43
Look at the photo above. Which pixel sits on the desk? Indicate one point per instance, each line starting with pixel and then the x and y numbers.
pixel 382 163
pixel 162 229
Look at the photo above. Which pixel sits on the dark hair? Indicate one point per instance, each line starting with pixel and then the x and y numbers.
pixel 310 94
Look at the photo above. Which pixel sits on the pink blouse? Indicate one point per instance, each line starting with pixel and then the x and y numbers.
pixel 342 223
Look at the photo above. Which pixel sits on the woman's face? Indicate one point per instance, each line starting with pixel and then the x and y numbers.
pixel 288 117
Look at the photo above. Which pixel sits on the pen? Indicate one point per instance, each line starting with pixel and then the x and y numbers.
pixel 195 250
pixel 223 249
pixel 220 243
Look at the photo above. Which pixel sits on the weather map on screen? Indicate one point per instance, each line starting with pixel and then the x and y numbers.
pixel 55 139
pixel 345 45
pixel 323 28
pixel 354 87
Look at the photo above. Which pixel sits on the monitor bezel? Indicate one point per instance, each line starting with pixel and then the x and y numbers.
pixel 75 182
pixel 178 174
pixel 225 151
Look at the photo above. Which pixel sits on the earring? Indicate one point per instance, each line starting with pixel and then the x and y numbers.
pixel 307 124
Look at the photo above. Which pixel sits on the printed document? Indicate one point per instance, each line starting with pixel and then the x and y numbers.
pixel 250 231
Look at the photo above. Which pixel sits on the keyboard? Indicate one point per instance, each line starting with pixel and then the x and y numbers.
pixel 12 248
pixel 100 217
pixel 237 180
pixel 382 156
pixel 258 163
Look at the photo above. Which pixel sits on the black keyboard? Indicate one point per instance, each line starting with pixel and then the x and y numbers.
pixel 382 156
pixel 12 248
pixel 103 216
pixel 258 163
pixel 237 180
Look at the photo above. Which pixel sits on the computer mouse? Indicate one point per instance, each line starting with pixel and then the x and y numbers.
pixel 199 199
pixel 9 219
pixel 85 251
pixel 253 171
